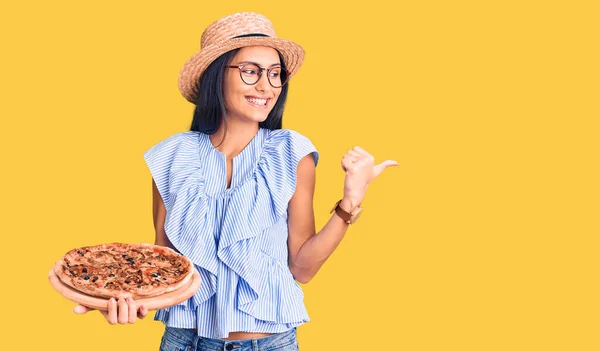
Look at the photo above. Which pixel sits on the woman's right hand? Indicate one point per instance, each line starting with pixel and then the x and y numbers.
pixel 124 311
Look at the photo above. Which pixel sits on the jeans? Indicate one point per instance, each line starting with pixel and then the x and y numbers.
pixel 176 339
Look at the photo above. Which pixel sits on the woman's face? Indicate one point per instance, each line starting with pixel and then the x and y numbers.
pixel 250 103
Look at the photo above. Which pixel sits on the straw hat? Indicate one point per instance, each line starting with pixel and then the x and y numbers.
pixel 220 37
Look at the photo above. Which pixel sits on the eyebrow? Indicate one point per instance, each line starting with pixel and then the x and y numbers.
pixel 243 62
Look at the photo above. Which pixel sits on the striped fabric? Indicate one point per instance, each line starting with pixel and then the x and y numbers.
pixel 236 237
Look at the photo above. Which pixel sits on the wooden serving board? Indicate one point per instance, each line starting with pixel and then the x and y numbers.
pixel 152 303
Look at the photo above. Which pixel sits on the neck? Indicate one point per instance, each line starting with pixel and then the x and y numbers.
pixel 237 135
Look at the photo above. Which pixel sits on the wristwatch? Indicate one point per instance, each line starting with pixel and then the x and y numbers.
pixel 347 217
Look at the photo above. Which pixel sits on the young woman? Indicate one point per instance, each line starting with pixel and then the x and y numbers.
pixel 235 195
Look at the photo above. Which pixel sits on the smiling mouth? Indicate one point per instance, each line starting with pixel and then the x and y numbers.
pixel 258 102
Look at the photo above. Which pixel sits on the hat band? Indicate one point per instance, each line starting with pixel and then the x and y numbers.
pixel 251 35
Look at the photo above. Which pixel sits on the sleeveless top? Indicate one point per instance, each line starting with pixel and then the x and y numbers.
pixel 236 237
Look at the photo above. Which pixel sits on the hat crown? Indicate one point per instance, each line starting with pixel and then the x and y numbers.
pixel 242 23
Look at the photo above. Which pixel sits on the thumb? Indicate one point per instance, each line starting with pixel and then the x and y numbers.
pixel 79 309
pixel 383 165
pixel 142 312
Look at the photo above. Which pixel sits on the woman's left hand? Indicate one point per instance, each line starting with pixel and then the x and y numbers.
pixel 360 170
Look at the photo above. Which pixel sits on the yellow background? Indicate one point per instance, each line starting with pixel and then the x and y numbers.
pixel 485 237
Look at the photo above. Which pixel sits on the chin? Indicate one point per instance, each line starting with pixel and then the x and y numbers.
pixel 258 117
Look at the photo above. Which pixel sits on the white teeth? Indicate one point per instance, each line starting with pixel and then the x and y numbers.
pixel 257 101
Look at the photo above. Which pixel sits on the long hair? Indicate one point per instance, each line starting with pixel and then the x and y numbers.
pixel 210 103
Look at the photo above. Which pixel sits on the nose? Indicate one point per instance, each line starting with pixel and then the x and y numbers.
pixel 263 82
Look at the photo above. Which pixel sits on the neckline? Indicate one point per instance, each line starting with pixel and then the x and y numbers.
pixel 251 144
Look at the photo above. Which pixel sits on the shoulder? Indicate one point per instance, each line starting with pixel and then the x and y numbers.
pixel 289 145
pixel 175 141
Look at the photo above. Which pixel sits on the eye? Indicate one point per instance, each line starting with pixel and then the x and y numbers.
pixel 249 71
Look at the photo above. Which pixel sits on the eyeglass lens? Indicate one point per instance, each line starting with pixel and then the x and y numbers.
pixel 277 76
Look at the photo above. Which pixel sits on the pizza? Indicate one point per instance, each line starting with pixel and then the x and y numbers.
pixel 124 270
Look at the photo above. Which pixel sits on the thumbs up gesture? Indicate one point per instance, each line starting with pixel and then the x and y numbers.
pixel 360 170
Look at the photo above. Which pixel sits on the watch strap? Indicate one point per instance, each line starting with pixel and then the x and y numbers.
pixel 343 214
pixel 346 216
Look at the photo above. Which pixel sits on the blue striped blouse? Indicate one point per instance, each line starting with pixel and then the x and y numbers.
pixel 237 236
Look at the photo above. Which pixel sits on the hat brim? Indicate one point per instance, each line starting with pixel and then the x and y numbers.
pixel 292 53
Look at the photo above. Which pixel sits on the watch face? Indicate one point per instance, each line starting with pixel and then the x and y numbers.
pixel 356 215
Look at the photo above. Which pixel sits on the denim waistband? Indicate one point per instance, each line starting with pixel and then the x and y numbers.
pixel 194 342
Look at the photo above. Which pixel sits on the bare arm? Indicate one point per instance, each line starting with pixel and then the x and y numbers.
pixel 308 251
pixel 159 214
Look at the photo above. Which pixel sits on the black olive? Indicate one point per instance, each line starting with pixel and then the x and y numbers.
pixel 80 253
pixel 94 280
pixel 86 277
pixel 72 273
pixel 124 255
pixel 154 275
pixel 84 270
pixel 164 278
pixel 111 275
pixel 127 281
pixel 158 274
pixel 68 265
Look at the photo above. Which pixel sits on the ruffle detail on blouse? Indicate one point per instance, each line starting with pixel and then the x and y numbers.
pixel 266 289
pixel 177 171
pixel 258 204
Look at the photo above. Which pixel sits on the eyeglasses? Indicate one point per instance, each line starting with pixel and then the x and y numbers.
pixel 251 73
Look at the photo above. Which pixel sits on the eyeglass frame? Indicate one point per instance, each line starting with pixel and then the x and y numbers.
pixel 260 71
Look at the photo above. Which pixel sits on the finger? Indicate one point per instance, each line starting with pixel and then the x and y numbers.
pixel 351 158
pixel 363 155
pixel 132 310
pixel 123 313
pixel 383 165
pixel 354 153
pixel 142 312
pixel 347 165
pixel 112 311
pixel 348 161
pixel 360 150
